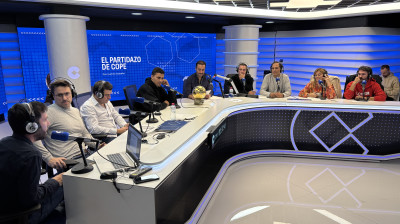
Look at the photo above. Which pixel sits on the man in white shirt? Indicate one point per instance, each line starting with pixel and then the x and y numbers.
pixel 99 115
pixel 276 84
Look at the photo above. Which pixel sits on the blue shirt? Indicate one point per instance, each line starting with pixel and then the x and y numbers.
pixel 192 81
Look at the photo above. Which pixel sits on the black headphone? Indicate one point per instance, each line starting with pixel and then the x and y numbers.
pixel 242 63
pixel 100 90
pixel 71 85
pixel 367 69
pixel 280 66
pixel 31 126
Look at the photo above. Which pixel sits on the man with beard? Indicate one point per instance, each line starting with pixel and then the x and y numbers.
pixel 152 90
pixel 63 117
pixel 364 87
pixel 20 164
pixel 390 83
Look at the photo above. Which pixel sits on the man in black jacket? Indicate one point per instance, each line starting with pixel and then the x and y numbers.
pixel 152 90
pixel 243 81
pixel 20 164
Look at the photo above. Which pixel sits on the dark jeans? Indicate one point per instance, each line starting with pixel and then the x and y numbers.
pixel 48 204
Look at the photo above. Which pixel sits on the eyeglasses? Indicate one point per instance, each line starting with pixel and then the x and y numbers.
pixel 362 73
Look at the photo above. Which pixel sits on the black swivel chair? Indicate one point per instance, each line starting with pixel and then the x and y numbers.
pixel 21 217
pixel 130 93
pixel 351 78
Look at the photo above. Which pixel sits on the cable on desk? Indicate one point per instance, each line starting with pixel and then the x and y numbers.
pixel 114 180
pixel 122 169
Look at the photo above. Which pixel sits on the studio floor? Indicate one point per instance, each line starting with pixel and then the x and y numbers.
pixel 280 190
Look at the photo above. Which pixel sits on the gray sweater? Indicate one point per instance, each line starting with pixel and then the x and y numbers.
pixel 66 120
pixel 269 85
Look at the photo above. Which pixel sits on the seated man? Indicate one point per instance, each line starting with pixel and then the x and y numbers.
pixel 199 78
pixel 243 81
pixel 153 91
pixel 390 83
pixel 370 91
pixel 99 114
pixel 276 84
pixel 62 117
pixel 20 164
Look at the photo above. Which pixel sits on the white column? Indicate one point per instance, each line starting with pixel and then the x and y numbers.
pixel 241 45
pixel 67 49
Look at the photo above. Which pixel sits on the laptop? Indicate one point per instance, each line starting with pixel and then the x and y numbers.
pixel 131 156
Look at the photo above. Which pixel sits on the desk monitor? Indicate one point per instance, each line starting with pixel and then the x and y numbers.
pixel 134 143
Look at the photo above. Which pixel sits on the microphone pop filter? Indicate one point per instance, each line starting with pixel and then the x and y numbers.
pixel 60 135
pixel 126 111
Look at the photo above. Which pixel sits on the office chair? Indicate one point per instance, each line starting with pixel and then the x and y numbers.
pixel 80 99
pixel 351 78
pixel 336 85
pixel 130 93
pixel 21 217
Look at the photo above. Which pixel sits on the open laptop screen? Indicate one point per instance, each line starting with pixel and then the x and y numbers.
pixel 133 143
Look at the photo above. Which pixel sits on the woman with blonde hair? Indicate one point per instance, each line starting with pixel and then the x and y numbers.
pixel 313 89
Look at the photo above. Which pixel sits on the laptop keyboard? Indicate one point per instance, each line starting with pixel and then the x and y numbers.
pixel 117 158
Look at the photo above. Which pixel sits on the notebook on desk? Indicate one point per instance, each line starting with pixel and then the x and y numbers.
pixel 170 126
pixel 130 156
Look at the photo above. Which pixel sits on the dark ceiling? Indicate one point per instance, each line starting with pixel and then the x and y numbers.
pixel 24 14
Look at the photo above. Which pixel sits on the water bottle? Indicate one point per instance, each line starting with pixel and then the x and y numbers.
pixel 231 92
pixel 173 111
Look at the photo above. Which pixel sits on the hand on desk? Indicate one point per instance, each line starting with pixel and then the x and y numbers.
pixel 276 95
pixel 57 163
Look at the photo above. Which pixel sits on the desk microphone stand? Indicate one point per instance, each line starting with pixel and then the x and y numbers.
pixel 220 87
pixel 85 167
pixel 322 94
pixel 152 119
pixel 138 116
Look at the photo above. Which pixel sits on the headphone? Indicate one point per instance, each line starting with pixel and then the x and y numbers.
pixel 100 90
pixel 367 69
pixel 31 126
pixel 280 66
pixel 71 85
pixel 242 63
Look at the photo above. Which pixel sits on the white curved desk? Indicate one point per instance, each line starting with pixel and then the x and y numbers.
pixel 180 155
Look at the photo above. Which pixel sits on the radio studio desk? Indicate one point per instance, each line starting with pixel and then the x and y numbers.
pixel 226 131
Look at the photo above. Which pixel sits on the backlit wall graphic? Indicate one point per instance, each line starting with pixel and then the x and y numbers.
pixel 122 57
pixel 339 54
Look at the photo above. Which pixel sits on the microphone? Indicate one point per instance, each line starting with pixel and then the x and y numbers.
pixel 169 88
pixel 127 111
pixel 321 83
pixel 229 80
pixel 222 77
pixel 277 83
pixel 244 84
pixel 64 136
pixel 143 100
pixel 323 87
pixel 363 83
